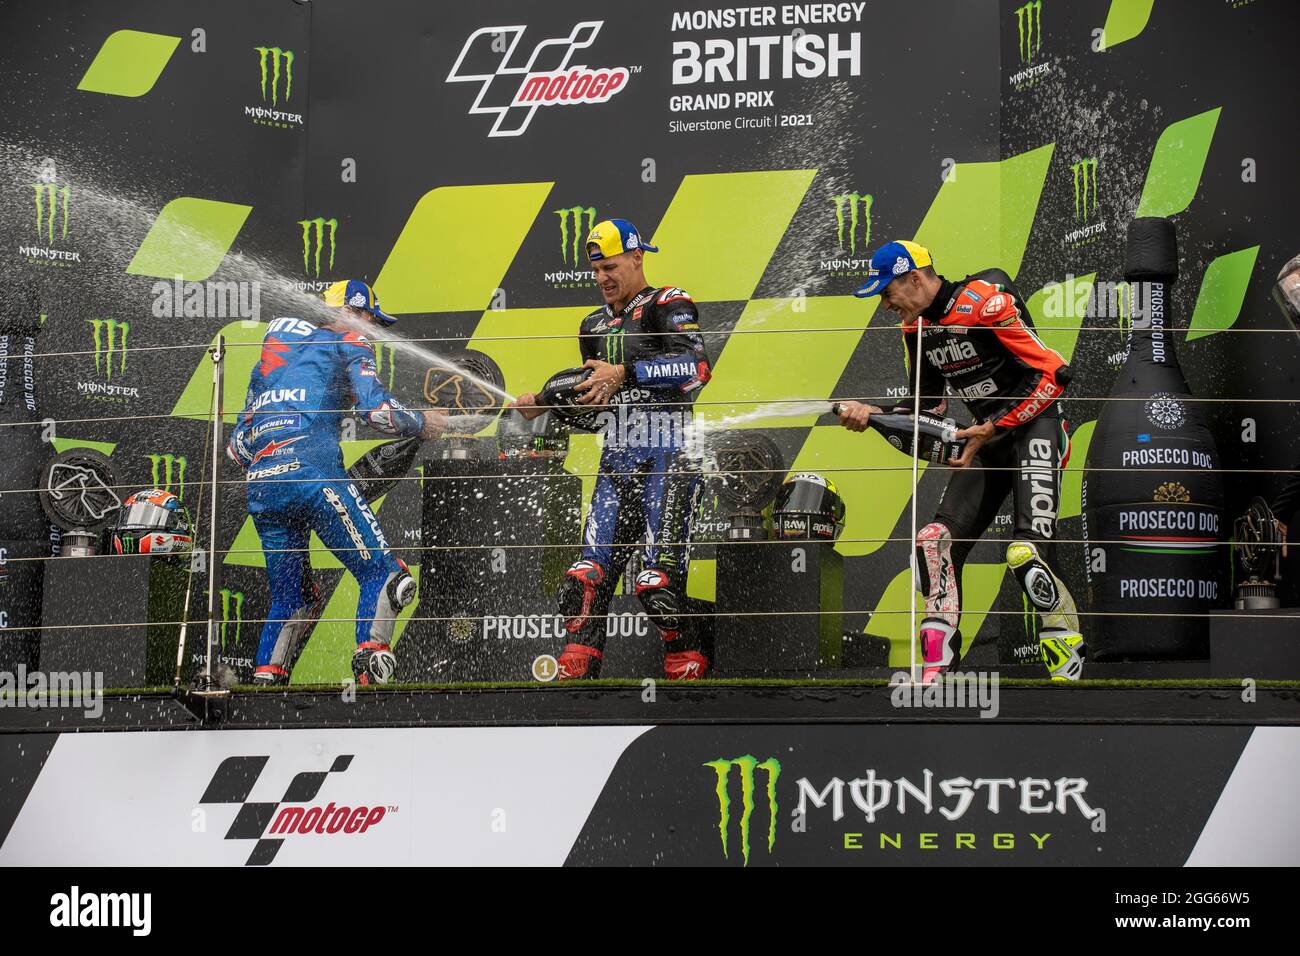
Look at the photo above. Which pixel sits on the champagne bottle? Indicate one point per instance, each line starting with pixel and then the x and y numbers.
pixel 1152 489
pixel 937 439
pixel 378 470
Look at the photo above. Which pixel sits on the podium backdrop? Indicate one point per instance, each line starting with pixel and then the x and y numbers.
pixel 454 155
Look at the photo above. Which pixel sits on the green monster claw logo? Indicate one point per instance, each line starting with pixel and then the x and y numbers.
pixel 747 765
pixel 852 200
pixel 47 208
pixel 1029 27
pixel 576 212
pixel 315 230
pixel 228 598
pixel 1124 303
pixel 1085 170
pixel 384 359
pixel 614 351
pixel 276 55
pixel 110 335
pixel 1030 619
pixel 168 470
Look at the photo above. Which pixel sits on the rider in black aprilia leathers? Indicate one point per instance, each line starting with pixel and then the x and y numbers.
pixel 978 341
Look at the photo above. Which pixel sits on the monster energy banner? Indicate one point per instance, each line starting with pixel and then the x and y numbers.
pixel 729 796
pixel 766 150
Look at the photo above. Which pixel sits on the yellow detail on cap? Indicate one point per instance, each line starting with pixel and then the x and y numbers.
pixel 336 295
pixel 920 255
pixel 607 237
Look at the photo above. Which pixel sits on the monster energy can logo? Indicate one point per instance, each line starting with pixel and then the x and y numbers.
pixel 852 201
pixel 747 765
pixel 1029 28
pixel 48 213
pixel 574 247
pixel 384 360
pixel 1085 172
pixel 313 233
pixel 231 599
pixel 276 55
pixel 110 335
pixel 169 470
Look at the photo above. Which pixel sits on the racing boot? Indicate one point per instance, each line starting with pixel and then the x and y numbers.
pixel 579 662
pixel 685 665
pixel 1063 653
pixel 268 675
pixel 940 649
pixel 373 663
pixel 578 595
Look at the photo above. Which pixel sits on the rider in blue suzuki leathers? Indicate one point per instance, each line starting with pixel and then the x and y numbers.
pixel 287 438
pixel 649 362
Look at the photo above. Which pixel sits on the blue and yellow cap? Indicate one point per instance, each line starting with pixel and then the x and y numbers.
pixel 613 237
pixel 357 294
pixel 891 260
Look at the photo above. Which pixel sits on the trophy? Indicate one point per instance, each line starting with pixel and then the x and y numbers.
pixel 748 469
pixel 76 493
pixel 1258 546
pixel 468 389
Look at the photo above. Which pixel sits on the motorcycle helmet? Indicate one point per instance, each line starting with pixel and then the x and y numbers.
pixel 808 506
pixel 153 522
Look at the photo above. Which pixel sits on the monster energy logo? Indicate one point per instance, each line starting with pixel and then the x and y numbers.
pixel 275 55
pixel 313 231
pixel 747 765
pixel 1029 618
pixel 1029 27
pixel 169 470
pixel 384 359
pixel 229 598
pixel 110 335
pixel 614 348
pixel 1085 171
pixel 852 201
pixel 574 247
pixel 47 208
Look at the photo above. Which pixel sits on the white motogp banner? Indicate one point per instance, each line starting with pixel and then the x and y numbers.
pixel 378 797
pixel 522 796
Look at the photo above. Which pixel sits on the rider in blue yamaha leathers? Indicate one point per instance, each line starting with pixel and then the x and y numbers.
pixel 649 362
pixel 287 438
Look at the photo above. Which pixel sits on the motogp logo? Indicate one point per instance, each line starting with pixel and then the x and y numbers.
pixel 546 79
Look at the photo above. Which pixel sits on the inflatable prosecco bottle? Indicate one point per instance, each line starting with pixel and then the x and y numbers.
pixel 1152 490
pixel 24 530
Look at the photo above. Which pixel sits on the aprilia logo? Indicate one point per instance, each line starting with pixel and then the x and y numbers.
pixel 1039 470
pixel 957 350
pixel 542 81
